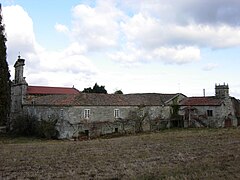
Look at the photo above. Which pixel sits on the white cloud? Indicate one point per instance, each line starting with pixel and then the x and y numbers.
pixel 105 26
pixel 130 32
pixel 63 62
pixel 170 55
pixel 210 66
pixel 50 67
pixel 150 32
pixel 178 55
pixel 61 28
pixel 109 26
pixel 20 35
pixel 221 36
pixel 75 48
pixel 144 31
pixel 96 27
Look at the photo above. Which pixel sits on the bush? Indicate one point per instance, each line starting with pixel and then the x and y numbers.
pixel 30 126
pixel 46 129
pixel 24 126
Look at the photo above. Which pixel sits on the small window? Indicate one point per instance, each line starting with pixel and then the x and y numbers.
pixel 87 132
pixel 86 113
pixel 61 113
pixel 116 113
pixel 210 113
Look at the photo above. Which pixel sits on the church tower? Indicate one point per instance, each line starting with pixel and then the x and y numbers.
pixel 222 91
pixel 18 88
pixel 19 64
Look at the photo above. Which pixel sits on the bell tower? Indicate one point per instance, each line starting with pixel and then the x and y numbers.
pixel 18 88
pixel 19 64
pixel 222 91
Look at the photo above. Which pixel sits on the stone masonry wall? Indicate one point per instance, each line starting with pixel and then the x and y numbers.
pixel 71 119
pixel 220 114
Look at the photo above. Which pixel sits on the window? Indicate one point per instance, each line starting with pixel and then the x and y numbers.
pixel 61 113
pixel 116 113
pixel 210 113
pixel 86 113
pixel 87 132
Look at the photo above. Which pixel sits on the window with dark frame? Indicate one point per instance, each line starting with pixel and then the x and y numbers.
pixel 61 113
pixel 210 113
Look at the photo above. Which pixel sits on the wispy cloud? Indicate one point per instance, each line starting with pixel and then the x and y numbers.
pixel 210 66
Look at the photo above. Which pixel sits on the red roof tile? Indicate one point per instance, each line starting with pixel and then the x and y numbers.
pixel 201 101
pixel 45 90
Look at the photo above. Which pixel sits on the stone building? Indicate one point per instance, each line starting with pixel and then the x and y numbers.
pixel 90 114
pixel 79 113
pixel 22 92
pixel 99 114
pixel 220 110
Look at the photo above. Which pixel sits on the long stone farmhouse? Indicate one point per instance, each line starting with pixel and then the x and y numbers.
pixel 92 114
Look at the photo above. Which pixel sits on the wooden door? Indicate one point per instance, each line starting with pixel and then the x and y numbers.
pixel 228 122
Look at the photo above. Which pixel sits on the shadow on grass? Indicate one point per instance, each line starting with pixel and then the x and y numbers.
pixel 13 139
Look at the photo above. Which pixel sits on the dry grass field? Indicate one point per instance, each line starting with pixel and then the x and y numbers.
pixel 170 154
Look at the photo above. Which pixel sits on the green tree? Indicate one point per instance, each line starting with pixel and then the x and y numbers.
pixel 118 92
pixel 5 87
pixel 96 89
pixel 87 90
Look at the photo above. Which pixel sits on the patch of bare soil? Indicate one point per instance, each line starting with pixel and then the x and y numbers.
pixel 173 154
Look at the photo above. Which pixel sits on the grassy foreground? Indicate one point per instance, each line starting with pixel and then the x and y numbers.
pixel 171 154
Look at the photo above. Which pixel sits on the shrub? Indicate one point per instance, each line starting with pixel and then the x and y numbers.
pixel 46 129
pixel 24 126
pixel 30 126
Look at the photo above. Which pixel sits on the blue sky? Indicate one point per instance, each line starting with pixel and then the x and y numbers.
pixel 136 46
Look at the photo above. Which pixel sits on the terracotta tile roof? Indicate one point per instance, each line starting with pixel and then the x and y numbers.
pixel 201 101
pixel 45 90
pixel 91 99
pixel 148 99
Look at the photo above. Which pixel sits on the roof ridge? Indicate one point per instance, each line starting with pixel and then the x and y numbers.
pixel 54 87
pixel 201 97
pixel 152 93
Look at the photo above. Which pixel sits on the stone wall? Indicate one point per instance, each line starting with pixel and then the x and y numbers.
pixel 199 115
pixel 71 121
pixel 18 92
pixel 218 118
